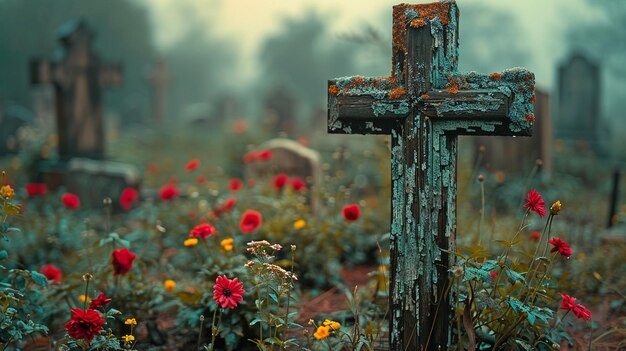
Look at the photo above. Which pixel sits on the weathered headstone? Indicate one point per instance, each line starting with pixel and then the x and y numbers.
pixel 12 119
pixel 578 114
pixel 519 155
pixel 280 108
pixel 291 158
pixel 78 76
pixel 159 79
pixel 424 105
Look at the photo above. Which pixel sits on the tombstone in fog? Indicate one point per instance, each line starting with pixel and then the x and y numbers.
pixel 159 79
pixel 291 158
pixel 519 155
pixel 280 109
pixel 78 77
pixel 12 119
pixel 425 105
pixel 578 116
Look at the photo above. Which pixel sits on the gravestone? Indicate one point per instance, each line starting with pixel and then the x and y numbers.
pixel 291 158
pixel 280 109
pixel 77 75
pixel 12 119
pixel 578 114
pixel 424 105
pixel 518 156
pixel 159 79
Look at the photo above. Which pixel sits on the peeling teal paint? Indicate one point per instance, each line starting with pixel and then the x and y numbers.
pixel 482 103
pixel 380 108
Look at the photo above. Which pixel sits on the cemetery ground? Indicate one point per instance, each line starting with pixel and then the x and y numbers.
pixel 208 256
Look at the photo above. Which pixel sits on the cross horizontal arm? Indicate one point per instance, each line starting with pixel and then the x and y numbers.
pixel 465 104
pixel 362 108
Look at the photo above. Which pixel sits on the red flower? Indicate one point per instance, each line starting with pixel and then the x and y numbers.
pixel 70 201
pixel 264 155
pixel 535 235
pixel 34 189
pixel 227 293
pixel 85 324
pixel 280 181
pixel 99 302
pixel 122 261
pixel 535 203
pixel 192 165
pixel 200 179
pixel 202 231
pixel 250 156
pixel 250 221
pixel 235 184
pixel 169 192
pixel 351 212
pixel 493 275
pixel 561 246
pixel 226 206
pixel 568 302
pixel 128 198
pixel 51 272
pixel 582 312
pixel 251 183
pixel 298 184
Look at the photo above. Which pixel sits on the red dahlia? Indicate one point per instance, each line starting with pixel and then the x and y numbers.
pixel 250 221
pixel 169 192
pixel 228 293
pixel 561 246
pixel 85 324
pixel 202 231
pixel 128 198
pixel 51 272
pixel 535 203
pixel 99 302
pixel 70 201
pixel 122 261
pixel 351 212
pixel 280 181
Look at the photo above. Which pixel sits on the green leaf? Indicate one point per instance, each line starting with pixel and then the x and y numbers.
pixel 514 276
pixel 39 278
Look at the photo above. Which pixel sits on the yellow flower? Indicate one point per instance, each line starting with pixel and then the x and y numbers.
pixel 299 224
pixel 555 208
pixel 128 338
pixel 322 332
pixel 169 285
pixel 227 244
pixel 82 298
pixel 332 324
pixel 7 192
pixel 130 321
pixel 191 242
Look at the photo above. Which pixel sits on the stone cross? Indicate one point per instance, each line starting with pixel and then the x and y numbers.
pixel 424 105
pixel 78 77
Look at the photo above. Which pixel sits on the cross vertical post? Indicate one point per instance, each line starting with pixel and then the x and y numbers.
pixel 424 105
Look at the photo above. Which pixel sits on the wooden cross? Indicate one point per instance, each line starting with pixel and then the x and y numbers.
pixel 424 105
pixel 77 76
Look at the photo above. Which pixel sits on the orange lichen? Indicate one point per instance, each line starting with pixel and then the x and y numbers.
pixel 333 89
pixel 533 99
pixel 398 92
pixel 530 118
pixel 529 76
pixel 417 23
pixel 425 97
pixel 453 84
pixel 440 10
pixel 495 76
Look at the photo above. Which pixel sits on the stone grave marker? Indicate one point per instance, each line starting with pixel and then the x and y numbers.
pixel 291 158
pixel 280 107
pixel 424 105
pixel 578 101
pixel 12 119
pixel 78 76
pixel 518 156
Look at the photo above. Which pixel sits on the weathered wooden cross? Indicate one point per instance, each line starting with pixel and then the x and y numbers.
pixel 77 76
pixel 424 105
